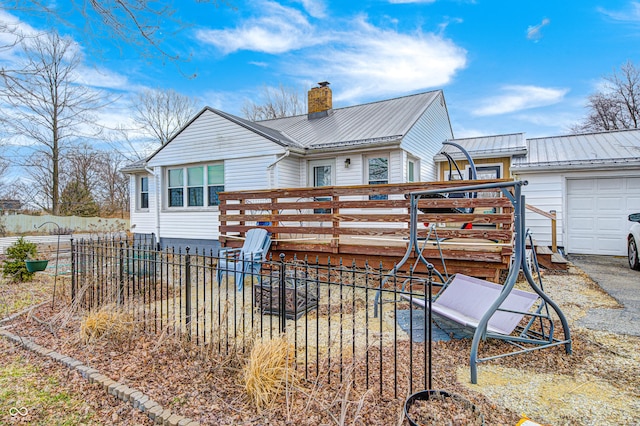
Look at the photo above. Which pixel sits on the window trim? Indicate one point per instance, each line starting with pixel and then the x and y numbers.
pixel 140 192
pixel 367 174
pixel 416 169
pixel 186 186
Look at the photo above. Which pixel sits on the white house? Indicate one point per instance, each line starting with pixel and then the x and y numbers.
pixel 174 191
pixel 591 180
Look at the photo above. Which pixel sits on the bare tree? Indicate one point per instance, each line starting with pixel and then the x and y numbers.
pixel 149 26
pixel 81 164
pixel 275 103
pixel 113 194
pixel 161 113
pixel 49 108
pixel 617 105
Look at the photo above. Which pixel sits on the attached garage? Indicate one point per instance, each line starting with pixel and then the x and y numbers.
pixel 592 181
pixel 597 211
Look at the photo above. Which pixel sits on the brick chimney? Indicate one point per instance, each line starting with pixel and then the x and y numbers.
pixel 319 100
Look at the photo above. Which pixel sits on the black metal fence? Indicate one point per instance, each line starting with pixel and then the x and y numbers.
pixel 327 314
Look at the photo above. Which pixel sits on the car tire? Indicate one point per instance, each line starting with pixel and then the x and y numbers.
pixel 634 260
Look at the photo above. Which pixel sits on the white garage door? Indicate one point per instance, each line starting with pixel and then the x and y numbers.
pixel 597 214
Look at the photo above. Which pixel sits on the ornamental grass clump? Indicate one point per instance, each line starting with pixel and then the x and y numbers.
pixel 269 371
pixel 107 323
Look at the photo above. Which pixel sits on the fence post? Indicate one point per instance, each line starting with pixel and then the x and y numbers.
pixel 554 237
pixel 187 292
pixel 283 295
pixel 73 273
pixel 121 260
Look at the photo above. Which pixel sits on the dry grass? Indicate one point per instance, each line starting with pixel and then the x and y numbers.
pixel 109 322
pixel 269 371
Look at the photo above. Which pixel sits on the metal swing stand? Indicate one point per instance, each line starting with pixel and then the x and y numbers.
pixel 525 338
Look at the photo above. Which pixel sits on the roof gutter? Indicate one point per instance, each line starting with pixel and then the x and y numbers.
pixel 355 146
pixel 544 167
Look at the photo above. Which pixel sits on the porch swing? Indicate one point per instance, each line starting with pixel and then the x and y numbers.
pixel 482 309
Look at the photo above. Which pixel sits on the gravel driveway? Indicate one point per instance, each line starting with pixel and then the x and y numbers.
pixel 613 275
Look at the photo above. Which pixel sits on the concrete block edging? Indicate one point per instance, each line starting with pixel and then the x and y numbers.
pixel 136 398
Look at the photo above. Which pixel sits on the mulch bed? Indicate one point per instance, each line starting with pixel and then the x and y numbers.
pixel 187 381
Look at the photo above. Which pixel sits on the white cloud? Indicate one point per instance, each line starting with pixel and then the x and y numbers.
pixel 103 78
pixel 631 15
pixel 535 32
pixel 281 29
pixel 315 8
pixel 369 61
pixel 517 98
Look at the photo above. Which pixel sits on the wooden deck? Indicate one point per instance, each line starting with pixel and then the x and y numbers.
pixel 353 223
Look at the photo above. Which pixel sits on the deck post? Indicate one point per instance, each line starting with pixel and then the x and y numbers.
pixel 554 236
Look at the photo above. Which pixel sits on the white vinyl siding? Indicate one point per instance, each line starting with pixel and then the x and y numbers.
pixel 213 138
pixel 544 191
pixel 142 221
pixel 287 173
pixel 425 138
pixel 582 212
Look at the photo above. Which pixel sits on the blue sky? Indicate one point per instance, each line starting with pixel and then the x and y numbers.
pixel 504 66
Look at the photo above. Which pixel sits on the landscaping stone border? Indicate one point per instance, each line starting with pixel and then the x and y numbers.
pixel 137 399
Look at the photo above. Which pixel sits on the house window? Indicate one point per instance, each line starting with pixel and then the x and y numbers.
pixel 321 174
pixel 215 183
pixel 176 187
pixel 143 201
pixel 201 188
pixel 378 173
pixel 411 171
pixel 195 186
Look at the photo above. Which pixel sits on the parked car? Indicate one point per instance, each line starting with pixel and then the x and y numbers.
pixel 633 242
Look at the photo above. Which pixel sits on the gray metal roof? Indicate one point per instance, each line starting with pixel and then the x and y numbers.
pixel 603 149
pixel 376 122
pixel 486 146
pixel 136 166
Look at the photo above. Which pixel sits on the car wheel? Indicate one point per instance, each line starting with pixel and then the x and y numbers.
pixel 634 261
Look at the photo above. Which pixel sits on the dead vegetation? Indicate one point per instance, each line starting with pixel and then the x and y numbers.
pixel 257 386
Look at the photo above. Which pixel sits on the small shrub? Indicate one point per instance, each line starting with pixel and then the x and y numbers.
pixel 269 369
pixel 14 266
pixel 108 323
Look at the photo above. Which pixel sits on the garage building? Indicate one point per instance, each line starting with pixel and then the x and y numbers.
pixel 592 181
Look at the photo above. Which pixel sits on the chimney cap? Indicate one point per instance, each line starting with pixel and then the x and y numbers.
pixel 323 83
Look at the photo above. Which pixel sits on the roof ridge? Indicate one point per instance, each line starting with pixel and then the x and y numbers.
pixel 487 136
pixel 356 105
pixel 586 134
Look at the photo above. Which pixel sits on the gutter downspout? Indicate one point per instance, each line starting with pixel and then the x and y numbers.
pixel 272 165
pixel 157 203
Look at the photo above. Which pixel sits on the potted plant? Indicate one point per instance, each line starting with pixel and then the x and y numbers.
pixel 16 266
pixel 36 265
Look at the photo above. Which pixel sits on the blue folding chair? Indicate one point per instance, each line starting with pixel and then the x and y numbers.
pixel 245 260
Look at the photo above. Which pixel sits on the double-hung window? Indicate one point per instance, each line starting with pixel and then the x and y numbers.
pixel 195 186
pixel 412 171
pixel 215 183
pixel 176 187
pixel 378 173
pixel 143 201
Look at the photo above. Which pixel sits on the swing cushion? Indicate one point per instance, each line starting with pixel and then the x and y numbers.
pixel 466 299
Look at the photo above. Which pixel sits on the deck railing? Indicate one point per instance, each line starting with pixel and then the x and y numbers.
pixel 373 221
